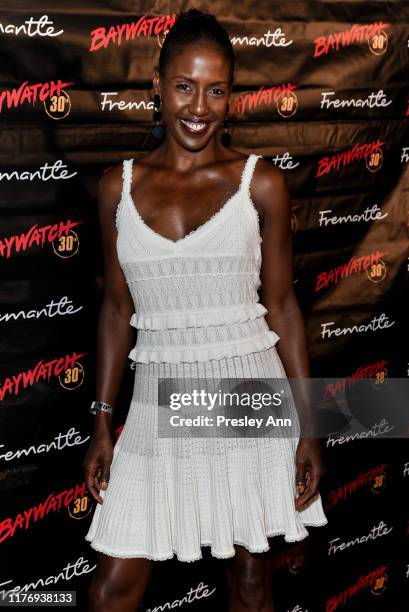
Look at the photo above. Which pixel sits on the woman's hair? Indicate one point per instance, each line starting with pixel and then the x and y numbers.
pixel 191 27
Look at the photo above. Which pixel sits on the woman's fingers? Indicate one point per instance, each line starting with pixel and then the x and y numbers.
pixel 104 478
pixel 310 490
pixel 97 465
pixel 92 487
pixel 301 479
pixel 97 478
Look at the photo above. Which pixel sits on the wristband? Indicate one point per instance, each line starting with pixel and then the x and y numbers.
pixel 100 407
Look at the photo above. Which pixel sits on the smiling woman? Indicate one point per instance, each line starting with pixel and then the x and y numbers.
pixel 191 232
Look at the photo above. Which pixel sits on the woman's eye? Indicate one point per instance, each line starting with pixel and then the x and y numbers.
pixel 185 87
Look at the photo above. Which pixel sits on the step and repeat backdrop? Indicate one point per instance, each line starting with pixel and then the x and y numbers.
pixel 321 91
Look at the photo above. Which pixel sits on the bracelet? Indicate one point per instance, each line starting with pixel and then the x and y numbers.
pixel 100 407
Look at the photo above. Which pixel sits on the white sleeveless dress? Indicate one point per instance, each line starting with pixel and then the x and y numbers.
pixel 197 315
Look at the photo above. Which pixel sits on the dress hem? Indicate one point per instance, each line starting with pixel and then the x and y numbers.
pixel 221 555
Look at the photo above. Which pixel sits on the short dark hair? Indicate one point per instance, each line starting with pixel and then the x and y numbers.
pixel 189 28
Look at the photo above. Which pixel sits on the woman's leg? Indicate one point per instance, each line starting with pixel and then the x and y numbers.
pixel 118 585
pixel 249 577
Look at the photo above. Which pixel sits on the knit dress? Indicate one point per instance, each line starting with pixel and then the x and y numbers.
pixel 198 316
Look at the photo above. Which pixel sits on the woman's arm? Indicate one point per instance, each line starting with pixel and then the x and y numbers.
pixel 277 290
pixel 114 337
pixel 271 196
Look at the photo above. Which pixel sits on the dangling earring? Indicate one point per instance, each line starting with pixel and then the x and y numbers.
pixel 226 134
pixel 158 131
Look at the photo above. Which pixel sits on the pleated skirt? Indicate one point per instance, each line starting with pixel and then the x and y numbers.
pixel 171 496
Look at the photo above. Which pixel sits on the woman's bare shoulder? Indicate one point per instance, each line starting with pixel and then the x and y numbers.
pixel 110 185
pixel 269 188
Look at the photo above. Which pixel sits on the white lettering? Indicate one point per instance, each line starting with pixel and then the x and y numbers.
pixel 69 572
pixel 285 161
pixel 405 155
pixel 269 39
pixel 107 104
pixel 52 309
pixel 376 532
pixel 373 100
pixel 32 27
pixel 46 172
pixel 200 592
pixel 60 441
pixel 378 322
pixel 369 214
pixel 377 429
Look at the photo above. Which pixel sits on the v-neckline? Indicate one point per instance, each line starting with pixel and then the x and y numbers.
pixel 198 230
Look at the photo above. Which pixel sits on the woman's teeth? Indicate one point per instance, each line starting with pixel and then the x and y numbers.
pixel 194 127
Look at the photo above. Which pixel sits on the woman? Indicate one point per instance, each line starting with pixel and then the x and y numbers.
pixel 182 230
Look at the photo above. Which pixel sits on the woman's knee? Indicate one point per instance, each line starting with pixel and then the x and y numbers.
pixel 101 595
pixel 249 576
pixel 251 591
pixel 118 585
pixel 105 597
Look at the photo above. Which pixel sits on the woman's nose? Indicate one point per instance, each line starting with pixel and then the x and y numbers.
pixel 198 105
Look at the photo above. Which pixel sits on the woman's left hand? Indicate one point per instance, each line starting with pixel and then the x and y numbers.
pixel 309 470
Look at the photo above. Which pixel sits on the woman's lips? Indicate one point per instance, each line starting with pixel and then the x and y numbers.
pixel 193 127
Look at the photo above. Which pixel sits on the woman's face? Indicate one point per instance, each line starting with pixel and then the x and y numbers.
pixel 194 94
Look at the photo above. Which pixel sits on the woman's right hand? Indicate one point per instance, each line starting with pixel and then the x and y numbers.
pixel 98 461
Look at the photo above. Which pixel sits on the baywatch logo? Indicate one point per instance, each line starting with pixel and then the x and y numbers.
pixel 67 369
pixel 54 503
pixel 281 96
pixel 293 558
pixel 376 581
pixel 376 370
pixel 56 101
pixel 64 241
pixel 372 33
pixel 371 152
pixel 372 263
pixel 144 27
pixel 375 478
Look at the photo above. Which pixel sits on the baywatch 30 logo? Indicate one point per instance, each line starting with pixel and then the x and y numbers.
pixel 282 97
pixel 372 33
pixel 56 101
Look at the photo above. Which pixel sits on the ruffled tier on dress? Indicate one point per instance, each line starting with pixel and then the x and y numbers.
pixel 219 316
pixel 203 353
pixel 243 332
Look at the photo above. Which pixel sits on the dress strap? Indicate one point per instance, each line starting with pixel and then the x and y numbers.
pixel 248 172
pixel 127 176
pixel 126 187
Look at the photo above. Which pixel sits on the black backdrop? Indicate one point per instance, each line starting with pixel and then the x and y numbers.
pixel 321 90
